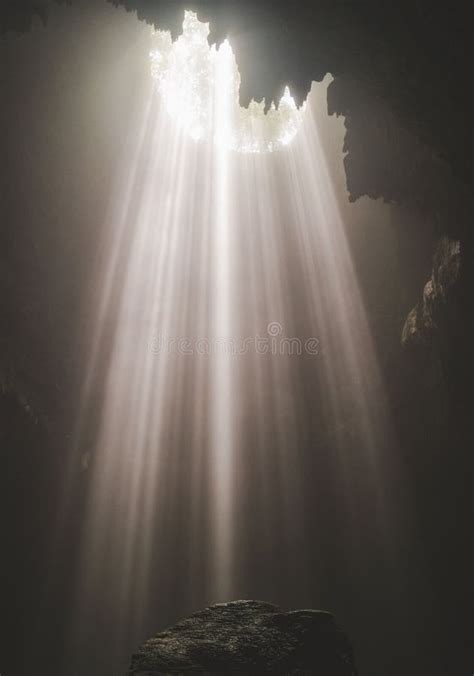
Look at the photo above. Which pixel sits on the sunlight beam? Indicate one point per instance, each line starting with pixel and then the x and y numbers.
pixel 185 72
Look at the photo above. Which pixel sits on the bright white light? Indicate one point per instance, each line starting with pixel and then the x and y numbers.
pixel 185 72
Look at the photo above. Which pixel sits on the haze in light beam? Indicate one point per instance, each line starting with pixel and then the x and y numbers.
pixel 198 477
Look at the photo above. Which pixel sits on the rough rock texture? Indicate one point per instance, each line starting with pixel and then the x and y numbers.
pixel 428 316
pixel 248 637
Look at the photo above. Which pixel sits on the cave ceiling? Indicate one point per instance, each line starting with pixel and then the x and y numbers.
pixel 401 78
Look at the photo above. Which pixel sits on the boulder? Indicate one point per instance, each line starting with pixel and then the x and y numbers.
pixel 248 637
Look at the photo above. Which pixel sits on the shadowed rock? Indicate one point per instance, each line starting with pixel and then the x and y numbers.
pixel 248 637
pixel 437 309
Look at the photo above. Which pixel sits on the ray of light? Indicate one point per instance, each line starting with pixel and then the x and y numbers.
pixel 222 386
pixel 217 271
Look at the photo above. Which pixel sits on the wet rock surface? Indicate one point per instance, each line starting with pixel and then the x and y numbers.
pixel 248 637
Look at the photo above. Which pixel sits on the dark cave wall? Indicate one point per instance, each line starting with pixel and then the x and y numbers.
pixel 60 138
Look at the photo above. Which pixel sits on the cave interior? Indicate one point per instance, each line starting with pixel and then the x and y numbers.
pixel 400 86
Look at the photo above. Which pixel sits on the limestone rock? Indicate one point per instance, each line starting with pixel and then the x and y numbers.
pixel 428 316
pixel 248 637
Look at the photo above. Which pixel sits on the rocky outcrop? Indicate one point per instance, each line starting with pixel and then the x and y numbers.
pixel 248 637
pixel 428 317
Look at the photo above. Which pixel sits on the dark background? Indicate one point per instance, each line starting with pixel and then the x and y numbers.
pixel 402 83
